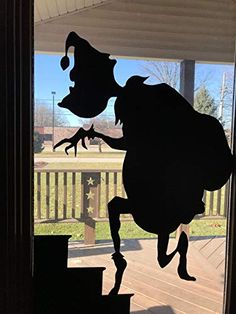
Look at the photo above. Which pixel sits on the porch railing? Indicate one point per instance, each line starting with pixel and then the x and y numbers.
pixel 82 195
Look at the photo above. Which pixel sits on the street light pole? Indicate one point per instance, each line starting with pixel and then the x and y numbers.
pixel 53 120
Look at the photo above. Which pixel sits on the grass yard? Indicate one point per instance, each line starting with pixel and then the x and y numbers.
pixel 129 230
pixel 80 154
pixel 83 165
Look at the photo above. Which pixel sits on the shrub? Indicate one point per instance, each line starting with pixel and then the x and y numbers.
pixel 38 142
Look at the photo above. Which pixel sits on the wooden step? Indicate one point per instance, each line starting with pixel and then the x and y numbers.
pixel 71 289
pixel 86 280
pixel 104 304
pixel 70 293
pixel 74 290
pixel 113 304
pixel 50 253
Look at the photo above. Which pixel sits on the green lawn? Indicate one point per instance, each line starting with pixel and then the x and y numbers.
pixel 84 165
pixel 129 230
pixel 80 163
pixel 82 154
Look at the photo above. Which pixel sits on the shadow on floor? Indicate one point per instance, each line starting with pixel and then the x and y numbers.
pixel 198 238
pixel 76 249
pixel 165 309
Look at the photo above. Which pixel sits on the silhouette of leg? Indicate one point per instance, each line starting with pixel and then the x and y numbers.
pixel 182 248
pixel 163 258
pixel 116 207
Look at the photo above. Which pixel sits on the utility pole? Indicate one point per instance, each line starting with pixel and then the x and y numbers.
pixel 53 120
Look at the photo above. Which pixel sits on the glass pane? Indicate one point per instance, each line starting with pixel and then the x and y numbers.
pixel 190 48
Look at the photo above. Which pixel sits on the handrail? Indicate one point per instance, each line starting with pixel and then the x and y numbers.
pixel 82 195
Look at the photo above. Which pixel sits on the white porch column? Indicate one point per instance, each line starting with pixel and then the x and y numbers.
pixel 187 72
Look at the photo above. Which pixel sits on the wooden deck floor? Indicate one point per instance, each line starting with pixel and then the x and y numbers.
pixel 156 290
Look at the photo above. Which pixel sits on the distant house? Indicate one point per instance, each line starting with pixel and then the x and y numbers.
pixel 59 133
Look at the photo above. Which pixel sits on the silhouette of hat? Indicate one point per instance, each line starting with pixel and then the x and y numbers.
pixel 93 77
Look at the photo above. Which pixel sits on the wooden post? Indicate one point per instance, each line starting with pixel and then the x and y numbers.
pixel 39 195
pixel 90 203
pixel 56 196
pixel 187 71
pixel 47 195
pixel 89 231
pixel 73 194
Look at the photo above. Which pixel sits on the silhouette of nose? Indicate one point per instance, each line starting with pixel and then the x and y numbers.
pixel 60 104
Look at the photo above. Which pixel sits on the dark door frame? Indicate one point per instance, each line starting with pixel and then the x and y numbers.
pixel 230 265
pixel 16 178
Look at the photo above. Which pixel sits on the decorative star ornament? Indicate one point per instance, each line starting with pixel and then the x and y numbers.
pixel 90 181
pixel 90 209
pixel 90 195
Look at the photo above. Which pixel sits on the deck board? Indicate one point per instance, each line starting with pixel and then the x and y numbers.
pixel 213 249
pixel 156 290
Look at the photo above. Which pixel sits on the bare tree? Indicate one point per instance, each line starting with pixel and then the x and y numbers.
pixel 169 72
pixel 163 72
pixel 43 116
pixel 226 98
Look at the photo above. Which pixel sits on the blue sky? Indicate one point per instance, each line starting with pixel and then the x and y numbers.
pixel 50 77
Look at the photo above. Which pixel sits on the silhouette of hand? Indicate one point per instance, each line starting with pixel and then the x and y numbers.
pixel 91 133
pixel 81 134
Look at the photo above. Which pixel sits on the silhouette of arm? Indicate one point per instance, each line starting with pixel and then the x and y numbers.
pixel 115 143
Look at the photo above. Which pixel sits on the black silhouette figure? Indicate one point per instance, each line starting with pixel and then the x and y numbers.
pixel 173 153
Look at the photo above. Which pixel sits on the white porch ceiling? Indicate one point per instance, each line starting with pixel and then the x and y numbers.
pixel 203 30
pixel 47 9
